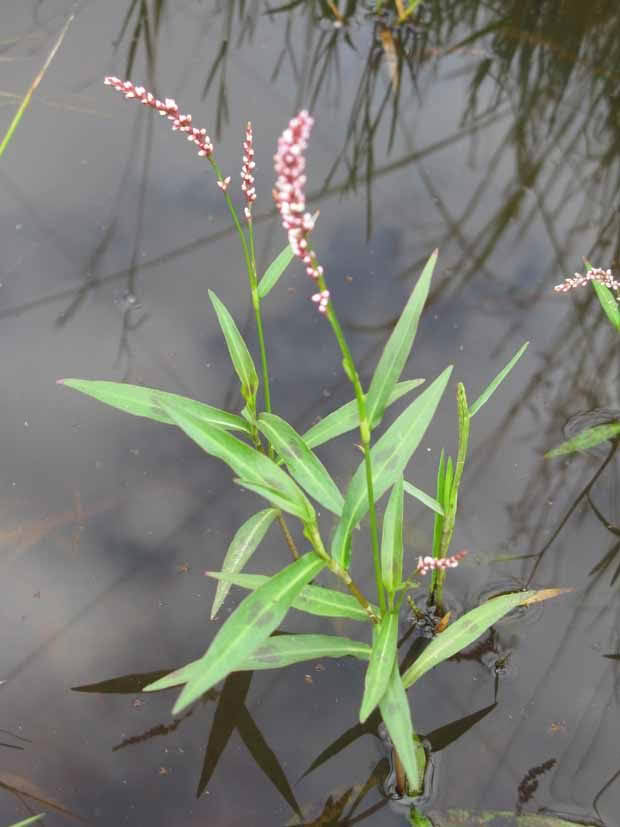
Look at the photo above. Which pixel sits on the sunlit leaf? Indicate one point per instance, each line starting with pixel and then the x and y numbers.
pixel 392 539
pixel 303 464
pixel 608 302
pixel 243 545
pixel 274 271
pixel 424 498
pixel 237 348
pixel 346 418
pixel 251 466
pixel 31 820
pixel 381 664
pixel 492 387
pixel 586 439
pixel 398 346
pixel 315 600
pixel 140 401
pixel 468 628
pixel 389 457
pixel 438 523
pixel 396 715
pixel 249 625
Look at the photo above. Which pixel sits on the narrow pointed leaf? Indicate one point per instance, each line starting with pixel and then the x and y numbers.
pixel 396 715
pixel 275 271
pixel 392 539
pixel 251 466
pixel 381 664
pixel 346 418
pixel 315 600
pixel 608 302
pixel 140 401
pixel 425 498
pixel 285 650
pixel 302 510
pixel 250 624
pixel 490 390
pixel 389 457
pixel 243 545
pixel 31 820
pixel 303 464
pixel 586 439
pixel 237 348
pixel 438 524
pixel 398 347
pixel 466 630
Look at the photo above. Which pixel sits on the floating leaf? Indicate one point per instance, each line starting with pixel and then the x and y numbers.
pixel 303 464
pixel 239 353
pixel 396 715
pixel 389 457
pixel 423 497
pixel 381 664
pixel 586 439
pixel 392 539
pixel 490 390
pixel 398 346
pixel 249 625
pixel 243 545
pixel 140 401
pixel 274 271
pixel 315 600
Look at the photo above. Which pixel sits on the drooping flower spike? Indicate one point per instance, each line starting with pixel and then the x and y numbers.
pixel 593 274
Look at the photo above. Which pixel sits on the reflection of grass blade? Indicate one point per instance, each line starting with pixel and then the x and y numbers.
pixel 24 104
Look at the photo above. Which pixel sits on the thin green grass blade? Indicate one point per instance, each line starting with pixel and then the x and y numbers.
pixel 315 600
pixel 381 664
pixel 608 302
pixel 250 624
pixel 346 418
pixel 392 539
pixel 31 820
pixel 389 457
pixel 586 439
pixel 490 390
pixel 396 715
pixel 140 401
pixel 424 498
pixel 438 524
pixel 304 466
pixel 238 350
pixel 275 271
pixel 252 467
pixel 243 545
pixel 398 347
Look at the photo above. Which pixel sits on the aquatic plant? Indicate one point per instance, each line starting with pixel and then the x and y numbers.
pixel 269 458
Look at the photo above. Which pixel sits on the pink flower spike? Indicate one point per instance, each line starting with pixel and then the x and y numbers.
pixel 322 299
pixel 247 172
pixel 426 564
pixel 167 108
pixel 604 277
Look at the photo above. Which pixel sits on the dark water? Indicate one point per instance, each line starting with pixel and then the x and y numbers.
pixel 492 133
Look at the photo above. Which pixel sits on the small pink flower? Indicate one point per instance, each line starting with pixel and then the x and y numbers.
pixel 288 193
pixel 168 107
pixel 223 185
pixel 247 172
pixel 426 564
pixel 322 299
pixel 594 274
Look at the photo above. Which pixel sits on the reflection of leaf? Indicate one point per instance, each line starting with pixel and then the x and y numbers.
pixel 124 685
pixel 448 734
pixel 342 741
pixel 18 785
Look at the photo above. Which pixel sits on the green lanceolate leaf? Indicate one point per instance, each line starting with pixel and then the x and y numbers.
pixel 346 418
pixel 389 457
pixel 249 625
pixel 274 271
pixel 398 346
pixel 452 482
pixel 438 524
pixel 490 390
pixel 468 628
pixel 608 302
pixel 392 539
pixel 425 498
pixel 586 439
pixel 396 715
pixel 381 664
pixel 31 820
pixel 315 600
pixel 243 545
pixel 304 466
pixel 252 467
pixel 239 353
pixel 140 401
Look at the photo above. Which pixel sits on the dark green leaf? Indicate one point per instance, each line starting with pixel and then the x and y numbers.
pixel 140 401
pixel 398 346
pixel 274 271
pixel 490 389
pixel 239 353
pixel 381 664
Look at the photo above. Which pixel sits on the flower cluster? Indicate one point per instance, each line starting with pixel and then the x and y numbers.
pixel 167 107
pixel 247 173
pixel 288 194
pixel 426 564
pixel 594 274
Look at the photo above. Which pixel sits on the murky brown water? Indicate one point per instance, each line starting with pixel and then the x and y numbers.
pixel 492 133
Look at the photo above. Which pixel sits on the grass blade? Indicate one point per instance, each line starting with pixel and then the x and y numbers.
pixel 381 664
pixel 586 439
pixel 31 820
pixel 490 390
